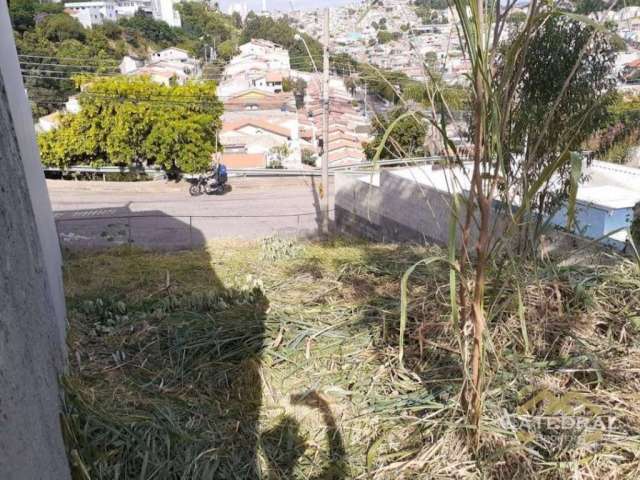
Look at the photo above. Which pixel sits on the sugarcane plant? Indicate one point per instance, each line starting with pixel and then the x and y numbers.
pixel 521 155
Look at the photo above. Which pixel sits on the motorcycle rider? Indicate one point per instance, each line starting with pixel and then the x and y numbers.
pixel 218 175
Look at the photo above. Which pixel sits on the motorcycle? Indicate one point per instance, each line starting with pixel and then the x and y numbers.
pixel 213 184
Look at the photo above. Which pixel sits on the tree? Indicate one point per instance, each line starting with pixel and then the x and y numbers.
pixel 553 53
pixel 60 27
pixel 226 50
pixel 278 155
pixel 155 30
pixel 406 139
pixel 200 21
pixel 385 37
pixel 308 157
pixel 23 12
pixel 517 18
pixel 533 99
pixel 131 120
pixel 237 20
pixel 586 7
pixel 431 60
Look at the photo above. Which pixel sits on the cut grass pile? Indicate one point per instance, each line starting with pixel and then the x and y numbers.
pixel 278 360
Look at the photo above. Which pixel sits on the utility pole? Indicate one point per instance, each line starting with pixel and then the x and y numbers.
pixel 365 99
pixel 325 125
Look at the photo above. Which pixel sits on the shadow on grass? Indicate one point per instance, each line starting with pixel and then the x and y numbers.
pixel 165 381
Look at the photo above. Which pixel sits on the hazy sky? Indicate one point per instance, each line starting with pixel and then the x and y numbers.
pixel 283 5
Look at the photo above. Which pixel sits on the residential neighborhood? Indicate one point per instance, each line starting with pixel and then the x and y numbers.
pixel 263 117
pixel 90 13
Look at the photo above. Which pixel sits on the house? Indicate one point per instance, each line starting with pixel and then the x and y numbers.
pixel 164 10
pixel 260 64
pixel 238 161
pixel 604 202
pixel 52 121
pixel 348 129
pixel 171 65
pixel 48 122
pixel 254 135
pixel 92 13
pixel 72 105
pixel 256 99
pixel 128 8
pixel 129 64
pixel 172 53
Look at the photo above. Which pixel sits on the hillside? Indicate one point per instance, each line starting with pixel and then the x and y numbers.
pixel 53 47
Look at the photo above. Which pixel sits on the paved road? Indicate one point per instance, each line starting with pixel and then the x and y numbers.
pixel 164 215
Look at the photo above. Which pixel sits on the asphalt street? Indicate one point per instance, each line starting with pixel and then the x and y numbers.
pixel 164 215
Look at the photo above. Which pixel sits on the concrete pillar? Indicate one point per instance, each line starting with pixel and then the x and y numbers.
pixel 32 310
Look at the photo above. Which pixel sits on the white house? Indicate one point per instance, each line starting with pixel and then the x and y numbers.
pixel 72 105
pixel 171 65
pixel 128 8
pixel 164 10
pixel 171 53
pixel 129 64
pixel 92 13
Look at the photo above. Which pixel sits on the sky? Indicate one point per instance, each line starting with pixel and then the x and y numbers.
pixel 283 5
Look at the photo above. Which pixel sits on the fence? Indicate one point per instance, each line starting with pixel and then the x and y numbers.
pixel 81 229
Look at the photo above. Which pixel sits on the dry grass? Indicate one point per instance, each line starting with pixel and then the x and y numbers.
pixel 278 361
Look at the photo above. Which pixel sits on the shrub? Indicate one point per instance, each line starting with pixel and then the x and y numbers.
pixel 308 157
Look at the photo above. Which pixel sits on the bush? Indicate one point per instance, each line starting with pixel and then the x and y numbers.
pixel 275 164
pixel 308 158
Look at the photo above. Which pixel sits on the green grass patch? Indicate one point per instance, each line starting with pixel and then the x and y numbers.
pixel 273 360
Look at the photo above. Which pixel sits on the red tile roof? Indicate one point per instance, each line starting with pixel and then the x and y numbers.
pixel 256 122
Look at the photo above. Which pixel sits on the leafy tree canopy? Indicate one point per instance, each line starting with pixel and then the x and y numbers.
pixel 156 31
pixel 23 12
pixel 432 4
pixel 405 140
pixel 131 120
pixel 573 114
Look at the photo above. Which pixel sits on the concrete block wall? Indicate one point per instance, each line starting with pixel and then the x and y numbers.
pixel 393 209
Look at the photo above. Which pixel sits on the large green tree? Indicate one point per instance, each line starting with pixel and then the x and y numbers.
pixel 567 81
pixel 407 138
pixel 58 47
pixel 126 121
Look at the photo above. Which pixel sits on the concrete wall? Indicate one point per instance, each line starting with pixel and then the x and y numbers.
pixel 394 208
pixel 391 208
pixel 32 314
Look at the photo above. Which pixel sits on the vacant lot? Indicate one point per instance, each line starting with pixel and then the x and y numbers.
pixel 279 360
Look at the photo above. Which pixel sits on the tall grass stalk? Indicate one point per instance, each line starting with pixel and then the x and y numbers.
pixel 479 237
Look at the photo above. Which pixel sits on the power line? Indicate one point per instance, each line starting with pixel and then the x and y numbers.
pixel 22 62
pixel 70 78
pixel 122 99
pixel 34 70
pixel 80 59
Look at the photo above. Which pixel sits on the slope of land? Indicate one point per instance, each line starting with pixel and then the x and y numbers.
pixel 279 360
